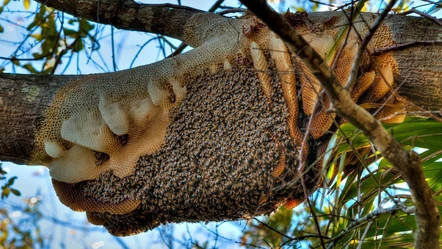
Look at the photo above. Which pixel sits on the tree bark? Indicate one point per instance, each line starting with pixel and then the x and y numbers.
pixel 418 61
pixel 164 19
pixel 24 100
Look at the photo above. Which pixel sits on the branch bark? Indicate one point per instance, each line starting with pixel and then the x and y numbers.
pixel 407 162
pixel 164 19
pixel 23 103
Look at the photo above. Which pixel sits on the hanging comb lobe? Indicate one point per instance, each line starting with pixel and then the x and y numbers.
pixel 115 115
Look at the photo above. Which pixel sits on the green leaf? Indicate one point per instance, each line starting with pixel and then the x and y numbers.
pixel 11 181
pixel 15 61
pixel 85 27
pixel 34 23
pixel 369 185
pixel 417 132
pixel 15 192
pixel 77 46
pixel 30 68
pixel 70 32
pixel 48 70
pixel 36 55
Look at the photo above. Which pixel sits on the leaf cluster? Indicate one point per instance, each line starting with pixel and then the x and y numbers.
pixel 7 185
pixel 364 201
pixel 48 37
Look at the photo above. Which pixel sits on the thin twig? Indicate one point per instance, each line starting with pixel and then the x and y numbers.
pixel 229 11
pixel 372 217
pixel 371 31
pixel 178 50
pixel 114 63
pixel 424 15
pixel 433 2
pixel 311 207
pixel 273 229
pixel 361 240
pixel 379 51
pixel 215 6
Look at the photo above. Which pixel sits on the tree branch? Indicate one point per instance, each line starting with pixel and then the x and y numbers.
pixel 407 162
pixel 23 103
pixel 164 19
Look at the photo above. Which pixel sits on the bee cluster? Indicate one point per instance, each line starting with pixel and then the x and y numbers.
pixel 216 162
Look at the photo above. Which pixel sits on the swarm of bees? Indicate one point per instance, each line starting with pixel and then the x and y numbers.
pixel 217 160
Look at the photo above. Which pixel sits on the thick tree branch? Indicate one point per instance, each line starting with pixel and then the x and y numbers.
pixel 407 162
pixel 164 19
pixel 23 102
